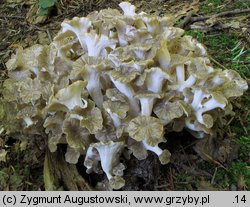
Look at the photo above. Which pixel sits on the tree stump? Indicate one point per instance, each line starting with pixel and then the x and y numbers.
pixel 60 175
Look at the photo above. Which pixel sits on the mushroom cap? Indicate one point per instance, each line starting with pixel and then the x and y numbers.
pixel 148 94
pixel 146 128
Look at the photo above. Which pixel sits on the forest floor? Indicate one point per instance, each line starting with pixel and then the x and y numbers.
pixel 195 164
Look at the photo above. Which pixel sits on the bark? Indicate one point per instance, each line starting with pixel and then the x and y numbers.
pixel 60 175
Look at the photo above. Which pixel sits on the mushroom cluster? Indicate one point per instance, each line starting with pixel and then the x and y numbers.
pixel 114 82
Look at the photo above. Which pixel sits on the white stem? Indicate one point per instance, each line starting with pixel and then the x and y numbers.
pixel 198 96
pixel 191 126
pixel 94 87
pixel 199 117
pixel 157 150
pixel 115 118
pixel 108 155
pixel 146 106
pixel 186 84
pixel 208 106
pixel 129 93
pixel 155 81
pixel 212 104
pixel 106 160
pixel 28 121
pixel 190 81
pixel 180 74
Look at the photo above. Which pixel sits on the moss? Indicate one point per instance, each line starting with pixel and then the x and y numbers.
pixel 237 171
pixel 215 6
pixel 211 6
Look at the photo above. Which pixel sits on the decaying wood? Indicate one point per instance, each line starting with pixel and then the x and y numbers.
pixel 60 175
pixel 189 19
pixel 217 63
pixel 222 14
pixel 186 20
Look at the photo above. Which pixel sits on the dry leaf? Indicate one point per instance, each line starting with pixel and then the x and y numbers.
pixel 26 2
pixel 2 142
pixel 206 149
pixel 32 17
pixel 14 1
pixel 194 6
pixel 232 24
pixel 206 186
pixel 23 145
pixel 43 38
pixel 3 154
pixel 241 184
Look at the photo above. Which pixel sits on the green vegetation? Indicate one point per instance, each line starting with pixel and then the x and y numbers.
pixel 241 4
pixel 226 49
pixel 244 143
pixel 45 6
pixel 211 6
pixel 230 51
pixel 238 173
pixel 216 6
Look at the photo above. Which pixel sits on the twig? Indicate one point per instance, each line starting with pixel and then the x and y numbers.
pixel 243 126
pixel 186 156
pixel 190 145
pixel 171 180
pixel 247 114
pixel 215 172
pixel 161 186
pixel 185 183
pixel 217 63
pixel 36 27
pixel 49 36
pixel 30 26
pixel 12 17
pixel 186 19
pixel 229 122
pixel 241 62
pixel 205 28
pixel 227 13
